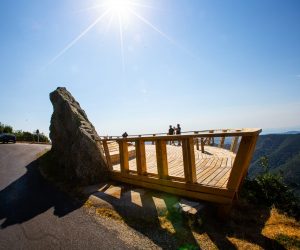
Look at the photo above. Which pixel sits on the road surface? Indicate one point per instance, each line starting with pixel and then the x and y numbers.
pixel 35 215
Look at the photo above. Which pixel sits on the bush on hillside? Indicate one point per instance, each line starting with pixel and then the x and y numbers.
pixel 269 189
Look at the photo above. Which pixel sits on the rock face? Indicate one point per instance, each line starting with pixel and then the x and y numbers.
pixel 74 141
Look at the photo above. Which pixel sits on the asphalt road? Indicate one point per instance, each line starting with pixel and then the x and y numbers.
pixel 35 215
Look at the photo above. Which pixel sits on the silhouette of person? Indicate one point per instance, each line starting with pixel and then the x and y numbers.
pixel 178 132
pixel 171 132
pixel 125 135
pixel 178 129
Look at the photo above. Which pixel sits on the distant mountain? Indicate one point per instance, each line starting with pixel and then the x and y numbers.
pixel 292 132
pixel 283 152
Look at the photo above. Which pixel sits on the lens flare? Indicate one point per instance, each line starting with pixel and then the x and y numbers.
pixel 119 7
pixel 119 10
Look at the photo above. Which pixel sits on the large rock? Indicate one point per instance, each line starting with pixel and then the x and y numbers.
pixel 74 141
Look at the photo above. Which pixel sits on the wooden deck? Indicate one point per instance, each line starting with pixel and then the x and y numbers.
pixel 205 166
pixel 212 167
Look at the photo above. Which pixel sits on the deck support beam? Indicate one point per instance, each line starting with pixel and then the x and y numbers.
pixel 197 141
pixel 107 154
pixel 162 160
pixel 140 157
pixel 202 145
pixel 234 144
pixel 189 160
pixel 153 142
pixel 222 140
pixel 124 158
pixel 242 161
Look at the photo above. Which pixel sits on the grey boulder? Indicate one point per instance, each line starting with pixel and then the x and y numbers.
pixel 75 142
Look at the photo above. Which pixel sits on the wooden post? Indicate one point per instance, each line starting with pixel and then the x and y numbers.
pixel 234 144
pixel 211 140
pixel 162 160
pixel 124 159
pixel 153 142
pixel 197 141
pixel 189 160
pixel 140 157
pixel 242 161
pixel 107 154
pixel 202 145
pixel 222 140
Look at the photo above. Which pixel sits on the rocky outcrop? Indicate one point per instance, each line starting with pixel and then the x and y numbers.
pixel 74 141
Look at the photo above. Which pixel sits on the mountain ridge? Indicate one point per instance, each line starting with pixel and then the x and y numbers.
pixel 283 153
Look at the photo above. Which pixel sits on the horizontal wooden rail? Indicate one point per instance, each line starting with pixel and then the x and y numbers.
pixel 166 134
pixel 218 133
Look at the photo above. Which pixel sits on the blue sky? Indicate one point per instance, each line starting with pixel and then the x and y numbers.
pixel 203 64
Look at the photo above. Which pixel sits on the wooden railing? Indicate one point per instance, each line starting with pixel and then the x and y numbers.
pixel 242 143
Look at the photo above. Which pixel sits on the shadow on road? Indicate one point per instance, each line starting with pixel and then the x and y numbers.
pixel 30 196
pixel 163 225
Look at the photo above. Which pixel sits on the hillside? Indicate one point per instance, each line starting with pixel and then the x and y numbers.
pixel 283 152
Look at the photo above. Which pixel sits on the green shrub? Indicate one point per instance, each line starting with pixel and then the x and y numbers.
pixel 23 135
pixel 268 189
pixel 5 128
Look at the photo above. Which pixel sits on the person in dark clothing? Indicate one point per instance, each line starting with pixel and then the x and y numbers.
pixel 125 135
pixel 178 129
pixel 171 132
pixel 178 132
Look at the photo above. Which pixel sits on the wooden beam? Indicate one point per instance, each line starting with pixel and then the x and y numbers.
pixel 245 170
pixel 180 184
pixel 189 160
pixel 197 141
pixel 244 132
pixel 173 190
pixel 153 142
pixel 124 159
pixel 234 143
pixel 211 139
pixel 161 158
pixel 140 157
pixel 107 154
pixel 242 161
pixel 202 144
pixel 222 140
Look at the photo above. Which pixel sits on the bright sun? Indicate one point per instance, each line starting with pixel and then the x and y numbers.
pixel 119 7
pixel 121 11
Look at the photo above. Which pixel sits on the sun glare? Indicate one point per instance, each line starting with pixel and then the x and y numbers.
pixel 122 11
pixel 119 7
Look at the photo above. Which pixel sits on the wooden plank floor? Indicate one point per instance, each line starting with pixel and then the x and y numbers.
pixel 213 166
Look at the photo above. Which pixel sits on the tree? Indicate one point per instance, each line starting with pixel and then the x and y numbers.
pixel 5 128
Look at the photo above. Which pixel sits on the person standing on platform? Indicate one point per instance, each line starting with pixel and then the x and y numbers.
pixel 178 132
pixel 171 132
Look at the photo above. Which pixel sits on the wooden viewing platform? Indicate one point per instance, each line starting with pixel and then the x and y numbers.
pixel 208 165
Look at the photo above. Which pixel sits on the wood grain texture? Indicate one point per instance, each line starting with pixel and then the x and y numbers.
pixel 210 172
pixel 161 158
pixel 205 163
pixel 242 161
pixel 189 160
pixel 140 157
pixel 123 148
